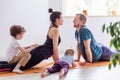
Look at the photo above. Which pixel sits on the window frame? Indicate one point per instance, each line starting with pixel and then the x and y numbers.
pixel 64 9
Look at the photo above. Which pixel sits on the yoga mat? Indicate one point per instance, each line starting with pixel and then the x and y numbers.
pixel 38 68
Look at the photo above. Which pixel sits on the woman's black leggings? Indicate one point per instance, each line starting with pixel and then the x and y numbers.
pixel 35 59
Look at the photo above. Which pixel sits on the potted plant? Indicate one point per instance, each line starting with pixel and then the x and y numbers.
pixel 112 7
pixel 113 29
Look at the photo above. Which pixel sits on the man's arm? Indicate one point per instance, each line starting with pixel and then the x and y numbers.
pixel 79 53
pixel 88 50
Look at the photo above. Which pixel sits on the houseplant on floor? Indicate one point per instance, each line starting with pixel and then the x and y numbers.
pixel 113 29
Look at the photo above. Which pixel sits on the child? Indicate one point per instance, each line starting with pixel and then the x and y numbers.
pixel 62 64
pixel 15 52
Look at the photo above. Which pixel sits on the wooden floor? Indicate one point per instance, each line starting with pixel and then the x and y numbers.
pixel 95 71
pixel 38 68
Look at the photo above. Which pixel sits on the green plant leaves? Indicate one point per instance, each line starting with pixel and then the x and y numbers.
pixel 114 60
pixel 113 29
pixel 103 28
pixel 111 43
pixel 109 66
pixel 112 33
pixel 115 43
pixel 114 63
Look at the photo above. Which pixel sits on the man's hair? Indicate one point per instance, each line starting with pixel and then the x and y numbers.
pixel 69 51
pixel 16 29
pixel 82 17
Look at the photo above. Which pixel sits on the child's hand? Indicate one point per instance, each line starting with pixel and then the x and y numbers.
pixel 74 64
pixel 35 45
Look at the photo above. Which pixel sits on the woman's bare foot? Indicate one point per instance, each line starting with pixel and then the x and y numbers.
pixel 43 74
pixel 62 72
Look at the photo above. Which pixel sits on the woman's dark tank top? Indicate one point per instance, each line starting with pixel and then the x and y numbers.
pixel 45 50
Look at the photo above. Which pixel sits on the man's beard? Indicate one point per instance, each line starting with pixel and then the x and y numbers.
pixel 76 25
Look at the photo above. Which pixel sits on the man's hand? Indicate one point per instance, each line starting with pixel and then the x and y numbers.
pixel 76 60
pixel 84 63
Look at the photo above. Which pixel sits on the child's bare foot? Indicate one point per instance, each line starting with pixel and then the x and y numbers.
pixel 62 72
pixel 18 71
pixel 43 74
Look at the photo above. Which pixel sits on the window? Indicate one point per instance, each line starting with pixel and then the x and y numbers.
pixel 91 7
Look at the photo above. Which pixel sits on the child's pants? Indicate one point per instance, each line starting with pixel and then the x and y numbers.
pixel 21 58
pixel 58 66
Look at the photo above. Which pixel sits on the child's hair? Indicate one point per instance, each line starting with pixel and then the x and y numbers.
pixel 16 29
pixel 69 51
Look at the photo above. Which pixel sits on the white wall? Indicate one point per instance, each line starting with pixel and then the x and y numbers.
pixel 94 23
pixel 32 14
pixel 55 4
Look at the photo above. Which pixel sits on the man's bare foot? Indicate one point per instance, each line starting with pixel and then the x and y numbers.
pixel 43 74
pixel 62 72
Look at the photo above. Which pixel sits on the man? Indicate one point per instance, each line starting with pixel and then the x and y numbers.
pixel 86 43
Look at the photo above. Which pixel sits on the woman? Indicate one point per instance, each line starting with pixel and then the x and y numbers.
pixel 49 48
